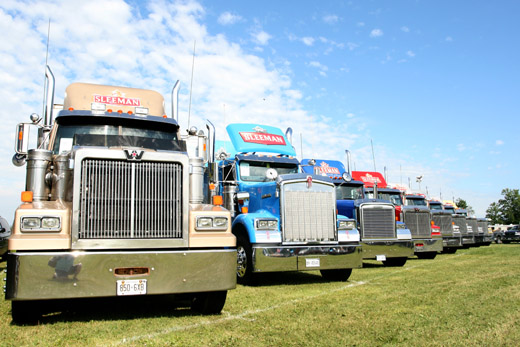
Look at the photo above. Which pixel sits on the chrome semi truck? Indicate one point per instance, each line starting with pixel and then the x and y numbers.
pixel 283 219
pixel 383 238
pixel 417 216
pixel 114 205
pixel 451 238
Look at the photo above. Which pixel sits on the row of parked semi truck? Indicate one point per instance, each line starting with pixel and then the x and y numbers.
pixel 119 201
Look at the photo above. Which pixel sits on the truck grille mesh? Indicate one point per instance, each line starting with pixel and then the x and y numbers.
pixel 460 221
pixel 377 222
pixel 309 215
pixel 444 222
pixel 418 223
pixel 474 225
pixel 483 227
pixel 130 200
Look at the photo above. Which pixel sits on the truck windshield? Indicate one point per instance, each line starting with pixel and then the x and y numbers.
pixel 435 207
pixel 108 132
pixel 393 198
pixel 416 202
pixel 349 192
pixel 256 171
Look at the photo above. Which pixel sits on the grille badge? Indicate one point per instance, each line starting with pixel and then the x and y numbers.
pixel 309 182
pixel 133 154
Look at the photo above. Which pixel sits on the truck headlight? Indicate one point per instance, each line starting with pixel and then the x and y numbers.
pixel 346 225
pixel 45 223
pixel 263 224
pixel 211 223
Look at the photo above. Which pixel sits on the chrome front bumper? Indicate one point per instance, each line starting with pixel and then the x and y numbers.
pixel 388 248
pixel 38 275
pixel 468 240
pixel 452 242
pixel 428 245
pixel 268 258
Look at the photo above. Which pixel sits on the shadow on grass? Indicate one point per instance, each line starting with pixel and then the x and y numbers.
pixel 115 308
pixel 287 278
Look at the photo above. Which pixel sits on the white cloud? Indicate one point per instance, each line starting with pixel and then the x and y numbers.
pixel 376 33
pixel 499 142
pixel 410 54
pixel 330 19
pixel 461 147
pixel 261 37
pixel 322 68
pixel 360 24
pixel 405 29
pixel 352 46
pixel 448 39
pixel 228 18
pixel 308 41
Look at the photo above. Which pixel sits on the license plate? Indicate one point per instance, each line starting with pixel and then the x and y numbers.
pixel 381 257
pixel 312 262
pixel 131 287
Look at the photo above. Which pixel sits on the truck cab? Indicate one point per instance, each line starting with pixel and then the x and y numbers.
pixel 451 239
pixel 112 206
pixel 382 237
pixel 283 219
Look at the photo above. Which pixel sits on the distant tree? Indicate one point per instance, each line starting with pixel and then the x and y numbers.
pixel 493 213
pixel 510 206
pixel 507 210
pixel 461 203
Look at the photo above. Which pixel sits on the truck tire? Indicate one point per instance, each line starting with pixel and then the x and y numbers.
pixel 25 312
pixel 498 239
pixel 426 255
pixel 390 262
pixel 244 261
pixel 336 275
pixel 209 303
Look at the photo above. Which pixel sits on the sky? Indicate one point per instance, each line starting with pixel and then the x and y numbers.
pixel 431 86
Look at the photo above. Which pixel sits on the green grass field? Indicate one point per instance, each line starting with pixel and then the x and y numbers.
pixel 468 298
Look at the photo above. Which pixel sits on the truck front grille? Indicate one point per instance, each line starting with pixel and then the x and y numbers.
pixel 460 221
pixel 444 222
pixel 377 221
pixel 418 223
pixel 474 225
pixel 309 214
pixel 483 227
pixel 130 200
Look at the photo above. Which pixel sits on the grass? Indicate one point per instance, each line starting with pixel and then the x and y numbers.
pixel 471 297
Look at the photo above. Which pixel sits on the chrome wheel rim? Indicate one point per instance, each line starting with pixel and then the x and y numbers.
pixel 241 261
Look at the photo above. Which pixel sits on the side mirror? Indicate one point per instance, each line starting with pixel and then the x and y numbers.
pixel 22 139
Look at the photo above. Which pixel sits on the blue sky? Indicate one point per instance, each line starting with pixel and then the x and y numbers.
pixel 433 84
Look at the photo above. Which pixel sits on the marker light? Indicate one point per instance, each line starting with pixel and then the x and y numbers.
pixel 217 200
pixel 27 196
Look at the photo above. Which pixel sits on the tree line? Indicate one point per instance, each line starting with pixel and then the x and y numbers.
pixel 507 209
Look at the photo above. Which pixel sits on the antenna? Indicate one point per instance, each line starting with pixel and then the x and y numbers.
pixel 373 156
pixel 191 84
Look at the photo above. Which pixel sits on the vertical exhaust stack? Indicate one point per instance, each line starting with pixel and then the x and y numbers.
pixel 43 133
pixel 347 152
pixel 175 100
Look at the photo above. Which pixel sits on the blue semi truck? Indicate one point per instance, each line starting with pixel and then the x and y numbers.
pixel 283 219
pixel 382 237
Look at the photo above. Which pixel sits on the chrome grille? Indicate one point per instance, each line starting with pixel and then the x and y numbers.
pixel 444 222
pixel 377 221
pixel 474 226
pixel 483 227
pixel 130 200
pixel 308 214
pixel 460 221
pixel 418 223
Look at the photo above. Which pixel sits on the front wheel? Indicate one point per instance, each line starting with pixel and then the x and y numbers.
pixel 336 275
pixel 427 255
pixel 25 312
pixel 209 303
pixel 395 261
pixel 244 261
